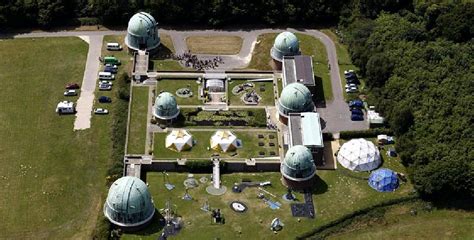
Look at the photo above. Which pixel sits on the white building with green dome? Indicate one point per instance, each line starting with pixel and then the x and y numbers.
pixel 298 168
pixel 142 32
pixel 286 44
pixel 294 98
pixel 166 108
pixel 129 204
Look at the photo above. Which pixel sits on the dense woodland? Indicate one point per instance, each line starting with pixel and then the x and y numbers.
pixel 417 58
pixel 419 66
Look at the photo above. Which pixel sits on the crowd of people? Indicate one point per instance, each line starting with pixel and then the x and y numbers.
pixel 191 60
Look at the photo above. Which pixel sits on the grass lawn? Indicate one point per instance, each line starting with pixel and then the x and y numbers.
pixel 138 121
pixel 249 149
pixel 224 45
pixel 267 95
pixel 335 196
pixel 309 46
pixel 172 85
pixel 232 118
pixel 52 177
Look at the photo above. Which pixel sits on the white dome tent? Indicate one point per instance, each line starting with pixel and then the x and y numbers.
pixel 359 155
pixel 224 141
pixel 179 140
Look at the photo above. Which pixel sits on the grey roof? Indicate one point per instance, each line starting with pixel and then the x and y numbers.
pixel 298 69
pixel 305 129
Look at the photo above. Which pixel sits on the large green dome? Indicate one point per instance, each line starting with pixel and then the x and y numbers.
pixel 295 98
pixel 298 164
pixel 286 44
pixel 129 203
pixel 142 32
pixel 165 106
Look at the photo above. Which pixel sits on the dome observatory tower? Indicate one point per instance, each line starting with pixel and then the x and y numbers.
pixel 298 168
pixel 286 44
pixel 142 33
pixel 294 98
pixel 166 109
pixel 129 204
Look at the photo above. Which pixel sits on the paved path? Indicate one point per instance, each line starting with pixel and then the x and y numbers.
pixel 86 99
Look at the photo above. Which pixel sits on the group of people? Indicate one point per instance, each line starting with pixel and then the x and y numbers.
pixel 191 60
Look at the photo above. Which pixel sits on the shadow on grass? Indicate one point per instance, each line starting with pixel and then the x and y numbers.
pixel 156 225
pixel 162 53
pixel 318 97
pixel 319 186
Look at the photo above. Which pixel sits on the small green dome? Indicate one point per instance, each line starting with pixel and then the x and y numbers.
pixel 141 24
pixel 298 164
pixel 129 203
pixel 295 98
pixel 286 44
pixel 166 106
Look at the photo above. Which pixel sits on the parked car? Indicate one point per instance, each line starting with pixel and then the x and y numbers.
pixel 111 65
pixel 351 89
pixel 101 111
pixel 349 85
pixel 104 99
pixel 110 69
pixel 356 104
pixel 352 80
pixel 72 86
pixel 70 92
pixel 105 83
pixel 105 87
pixel 357 117
pixel 114 47
pixel 106 76
pixel 357 111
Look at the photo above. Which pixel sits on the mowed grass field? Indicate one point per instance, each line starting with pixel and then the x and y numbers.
pixel 52 178
pixel 224 45
pixel 138 121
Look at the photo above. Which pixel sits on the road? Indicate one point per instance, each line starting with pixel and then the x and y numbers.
pixel 335 114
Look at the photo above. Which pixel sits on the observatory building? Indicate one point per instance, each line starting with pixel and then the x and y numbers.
pixel 359 155
pixel 166 109
pixel 295 98
pixel 142 33
pixel 298 168
pixel 286 44
pixel 129 204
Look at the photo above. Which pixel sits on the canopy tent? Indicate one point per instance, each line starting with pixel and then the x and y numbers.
pixel 359 155
pixel 224 141
pixel 383 180
pixel 179 140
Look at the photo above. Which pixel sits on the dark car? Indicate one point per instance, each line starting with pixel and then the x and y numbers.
pixel 110 69
pixel 352 80
pixel 104 99
pixel 357 117
pixel 357 111
pixel 356 104
pixel 72 86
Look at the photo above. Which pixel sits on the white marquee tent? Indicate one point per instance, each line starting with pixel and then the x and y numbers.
pixel 179 140
pixel 359 155
pixel 224 140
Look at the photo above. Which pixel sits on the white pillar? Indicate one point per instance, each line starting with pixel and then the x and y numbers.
pixel 216 178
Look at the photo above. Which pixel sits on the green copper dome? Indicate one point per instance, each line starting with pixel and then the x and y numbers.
pixel 298 164
pixel 286 44
pixel 295 98
pixel 166 106
pixel 129 203
pixel 142 32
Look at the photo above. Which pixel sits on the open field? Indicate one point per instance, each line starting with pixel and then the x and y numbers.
pixel 223 45
pixel 309 46
pixel 267 96
pixel 200 150
pixel 52 177
pixel 335 195
pixel 138 121
pixel 172 85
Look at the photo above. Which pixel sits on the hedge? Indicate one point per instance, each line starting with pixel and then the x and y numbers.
pixel 203 166
pixel 365 133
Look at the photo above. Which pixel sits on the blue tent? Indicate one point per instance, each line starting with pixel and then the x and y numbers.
pixel 383 180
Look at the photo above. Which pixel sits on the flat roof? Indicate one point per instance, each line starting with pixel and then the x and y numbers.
pixel 298 69
pixel 305 129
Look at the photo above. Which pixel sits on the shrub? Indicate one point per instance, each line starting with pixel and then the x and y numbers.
pixel 365 134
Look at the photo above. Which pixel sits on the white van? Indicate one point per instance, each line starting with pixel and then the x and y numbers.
pixel 65 107
pixel 106 76
pixel 114 47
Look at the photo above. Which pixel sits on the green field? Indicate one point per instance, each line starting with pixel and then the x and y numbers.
pixel 52 177
pixel 172 85
pixel 309 46
pixel 138 121
pixel 224 45
pixel 163 61
pixel 267 96
pixel 249 149
pixel 335 195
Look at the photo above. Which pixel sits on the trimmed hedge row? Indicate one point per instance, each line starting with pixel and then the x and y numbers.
pixel 365 134
pixel 203 166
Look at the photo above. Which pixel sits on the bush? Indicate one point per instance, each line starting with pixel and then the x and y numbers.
pixel 203 166
pixel 365 134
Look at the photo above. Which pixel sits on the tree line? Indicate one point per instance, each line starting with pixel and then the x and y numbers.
pixel 418 66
